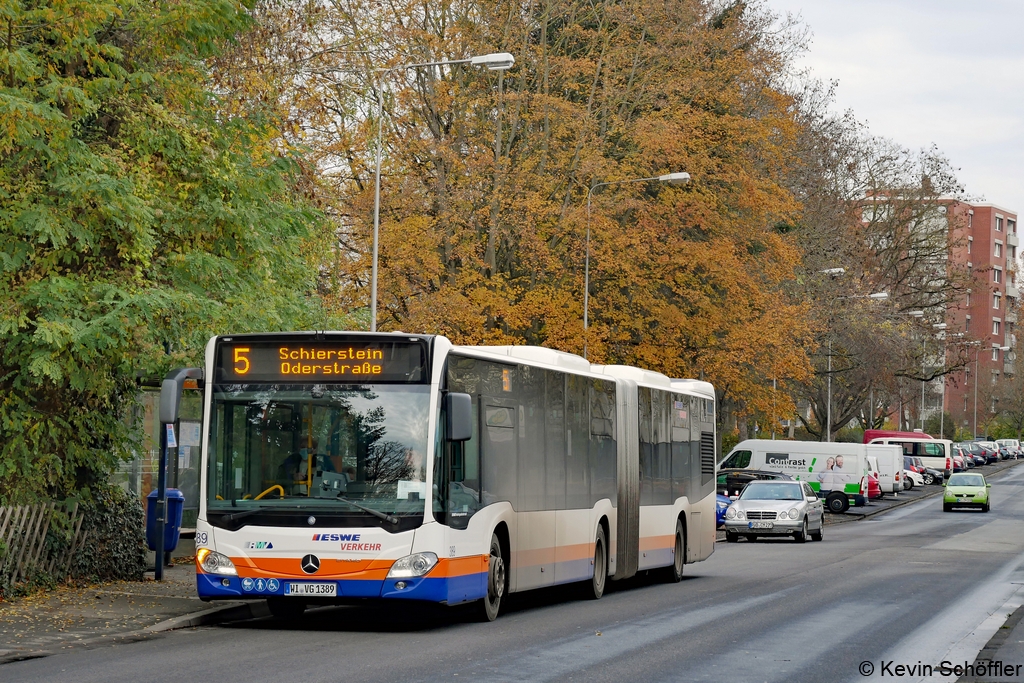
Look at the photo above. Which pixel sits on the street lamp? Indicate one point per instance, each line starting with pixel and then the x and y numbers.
pixel 877 296
pixel 667 179
pixel 495 61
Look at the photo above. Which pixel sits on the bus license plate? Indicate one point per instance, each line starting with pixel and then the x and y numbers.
pixel 319 589
pixel 762 525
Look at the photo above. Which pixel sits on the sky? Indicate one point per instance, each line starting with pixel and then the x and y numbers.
pixel 929 71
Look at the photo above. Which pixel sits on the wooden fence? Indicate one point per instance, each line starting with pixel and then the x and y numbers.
pixel 23 531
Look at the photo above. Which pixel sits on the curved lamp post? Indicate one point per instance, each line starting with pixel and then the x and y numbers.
pixel 495 61
pixel 668 179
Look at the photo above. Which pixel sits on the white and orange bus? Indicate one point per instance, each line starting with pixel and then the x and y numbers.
pixel 342 466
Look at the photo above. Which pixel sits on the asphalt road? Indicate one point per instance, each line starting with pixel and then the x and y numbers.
pixel 907 586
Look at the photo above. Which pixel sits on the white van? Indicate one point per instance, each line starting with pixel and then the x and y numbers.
pixel 836 471
pixel 888 464
pixel 934 453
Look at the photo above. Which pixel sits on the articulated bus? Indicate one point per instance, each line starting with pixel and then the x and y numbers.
pixel 342 466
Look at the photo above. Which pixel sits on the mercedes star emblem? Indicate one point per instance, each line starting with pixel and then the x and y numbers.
pixel 310 564
pixel 311 520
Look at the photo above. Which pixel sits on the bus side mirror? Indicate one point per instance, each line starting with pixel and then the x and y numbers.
pixel 458 409
pixel 170 391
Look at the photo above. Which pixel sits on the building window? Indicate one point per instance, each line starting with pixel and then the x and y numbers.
pixel 995 353
pixel 995 378
pixel 965 403
pixel 996 300
pixel 968 300
pixel 997 275
pixel 970 243
pixel 1011 227
pixel 967 324
pixel 970 219
pixel 999 249
pixel 995 327
pixel 999 224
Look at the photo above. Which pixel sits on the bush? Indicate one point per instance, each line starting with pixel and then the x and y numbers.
pixel 113 545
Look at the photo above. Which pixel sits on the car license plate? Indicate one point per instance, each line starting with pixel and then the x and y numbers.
pixel 762 525
pixel 319 589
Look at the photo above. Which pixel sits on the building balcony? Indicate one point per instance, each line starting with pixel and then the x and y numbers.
pixel 1010 317
pixel 1011 265
pixel 1011 290
pixel 1012 240
pixel 1008 368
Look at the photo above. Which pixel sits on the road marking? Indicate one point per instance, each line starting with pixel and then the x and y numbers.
pixel 772 658
pixel 575 654
pixel 959 632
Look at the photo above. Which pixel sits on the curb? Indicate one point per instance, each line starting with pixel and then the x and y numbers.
pixel 232 611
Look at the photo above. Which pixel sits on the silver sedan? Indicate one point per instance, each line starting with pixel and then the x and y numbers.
pixel 775 508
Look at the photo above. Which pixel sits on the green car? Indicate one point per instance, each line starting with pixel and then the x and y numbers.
pixel 966 490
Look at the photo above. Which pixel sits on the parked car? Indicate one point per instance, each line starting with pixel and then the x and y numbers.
pixel 731 482
pixel 721 505
pixel 874 489
pixel 991 451
pixel 959 464
pixel 976 451
pixel 912 479
pixel 776 508
pixel 925 475
pixel 966 490
pixel 1011 445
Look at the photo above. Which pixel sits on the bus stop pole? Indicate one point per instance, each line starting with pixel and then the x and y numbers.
pixel 170 398
pixel 161 505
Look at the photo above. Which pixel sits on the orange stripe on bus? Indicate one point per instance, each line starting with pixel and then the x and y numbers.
pixel 657 542
pixel 377 570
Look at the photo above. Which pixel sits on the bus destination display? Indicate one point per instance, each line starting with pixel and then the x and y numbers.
pixel 321 361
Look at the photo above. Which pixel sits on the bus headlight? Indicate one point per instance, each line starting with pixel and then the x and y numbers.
pixel 412 566
pixel 213 562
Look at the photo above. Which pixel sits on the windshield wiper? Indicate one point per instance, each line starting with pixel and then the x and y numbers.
pixel 261 508
pixel 391 519
pixel 235 516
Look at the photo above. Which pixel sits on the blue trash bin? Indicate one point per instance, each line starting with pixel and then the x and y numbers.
pixel 172 528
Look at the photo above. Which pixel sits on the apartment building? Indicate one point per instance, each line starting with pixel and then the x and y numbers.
pixel 987 243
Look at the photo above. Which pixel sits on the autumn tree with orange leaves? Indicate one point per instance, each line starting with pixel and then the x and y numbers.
pixel 485 175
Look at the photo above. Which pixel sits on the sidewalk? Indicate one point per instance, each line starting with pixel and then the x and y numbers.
pixel 1006 647
pixel 122 611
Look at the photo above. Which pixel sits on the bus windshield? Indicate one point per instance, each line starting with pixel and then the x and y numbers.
pixel 324 447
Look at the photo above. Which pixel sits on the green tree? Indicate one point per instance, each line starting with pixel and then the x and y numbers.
pixel 136 219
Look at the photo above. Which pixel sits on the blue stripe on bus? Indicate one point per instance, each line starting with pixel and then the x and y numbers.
pixel 452 590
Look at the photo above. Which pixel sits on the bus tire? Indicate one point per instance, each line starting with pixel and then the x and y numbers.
pixel 286 608
pixel 595 589
pixel 837 502
pixel 674 572
pixel 497 581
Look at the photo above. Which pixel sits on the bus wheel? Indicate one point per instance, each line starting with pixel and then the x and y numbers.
pixel 597 582
pixel 495 581
pixel 286 608
pixel 674 572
